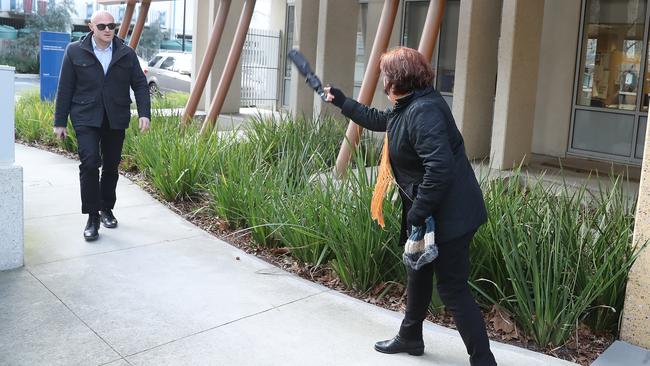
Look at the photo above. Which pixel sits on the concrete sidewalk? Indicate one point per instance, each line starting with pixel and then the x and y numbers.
pixel 159 291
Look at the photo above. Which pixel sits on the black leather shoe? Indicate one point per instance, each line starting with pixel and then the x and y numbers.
pixel 91 232
pixel 399 345
pixel 108 220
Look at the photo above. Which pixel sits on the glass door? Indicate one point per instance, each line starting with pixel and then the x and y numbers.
pixel 611 94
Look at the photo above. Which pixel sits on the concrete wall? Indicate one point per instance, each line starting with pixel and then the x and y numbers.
pixel 11 180
pixel 517 75
pixel 204 14
pixel 278 19
pixel 558 54
pixel 476 72
pixel 336 48
pixel 635 320
pixel 301 96
pixel 375 8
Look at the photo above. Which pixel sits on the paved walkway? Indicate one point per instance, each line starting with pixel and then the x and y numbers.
pixel 159 291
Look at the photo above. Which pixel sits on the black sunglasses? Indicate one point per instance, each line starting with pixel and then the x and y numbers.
pixel 110 26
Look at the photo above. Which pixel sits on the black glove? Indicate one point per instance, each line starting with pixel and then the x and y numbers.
pixel 339 97
pixel 415 217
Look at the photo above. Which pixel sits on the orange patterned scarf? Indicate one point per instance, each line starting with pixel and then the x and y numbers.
pixel 384 180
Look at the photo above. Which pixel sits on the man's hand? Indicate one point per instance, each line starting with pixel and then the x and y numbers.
pixel 144 124
pixel 61 132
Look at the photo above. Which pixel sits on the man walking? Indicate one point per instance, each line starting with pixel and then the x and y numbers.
pixel 96 75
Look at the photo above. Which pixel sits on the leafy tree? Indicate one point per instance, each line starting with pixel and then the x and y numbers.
pixel 24 52
pixel 57 18
pixel 150 40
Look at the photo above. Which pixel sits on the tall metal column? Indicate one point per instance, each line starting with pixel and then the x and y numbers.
pixel 432 28
pixel 126 21
pixel 208 61
pixel 139 24
pixel 231 66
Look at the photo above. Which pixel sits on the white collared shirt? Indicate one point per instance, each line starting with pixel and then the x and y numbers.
pixel 103 55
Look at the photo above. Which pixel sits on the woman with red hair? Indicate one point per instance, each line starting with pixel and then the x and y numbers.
pixel 434 176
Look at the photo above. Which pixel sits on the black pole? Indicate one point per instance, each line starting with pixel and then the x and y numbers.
pixel 184 9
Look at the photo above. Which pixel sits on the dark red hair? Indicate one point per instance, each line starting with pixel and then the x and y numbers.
pixel 405 70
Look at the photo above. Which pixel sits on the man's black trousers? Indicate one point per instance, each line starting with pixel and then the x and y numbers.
pixel 98 146
pixel 452 272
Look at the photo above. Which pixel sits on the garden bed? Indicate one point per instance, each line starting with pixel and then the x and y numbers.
pixel 547 269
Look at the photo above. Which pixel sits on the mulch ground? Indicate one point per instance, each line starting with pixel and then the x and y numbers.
pixel 583 347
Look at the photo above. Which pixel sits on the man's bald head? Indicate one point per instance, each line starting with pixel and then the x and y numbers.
pixel 102 16
pixel 102 23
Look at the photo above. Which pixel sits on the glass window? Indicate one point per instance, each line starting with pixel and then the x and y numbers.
pixel 360 61
pixel 611 53
pixel 603 132
pixel 640 137
pixel 415 14
pixel 154 61
pixel 646 85
pixel 290 31
pixel 448 42
pixel 288 45
pixel 168 64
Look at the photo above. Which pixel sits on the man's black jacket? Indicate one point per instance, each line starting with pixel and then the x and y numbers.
pixel 428 159
pixel 84 92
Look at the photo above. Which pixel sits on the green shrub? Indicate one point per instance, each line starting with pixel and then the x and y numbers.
pixel 178 161
pixel 34 121
pixel 552 256
pixel 23 64
pixel 549 254
pixel 364 255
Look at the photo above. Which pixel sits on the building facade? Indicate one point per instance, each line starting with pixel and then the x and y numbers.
pixel 168 13
pixel 562 78
pixel 558 79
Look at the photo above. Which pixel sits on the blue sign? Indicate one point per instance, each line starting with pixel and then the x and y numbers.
pixel 53 46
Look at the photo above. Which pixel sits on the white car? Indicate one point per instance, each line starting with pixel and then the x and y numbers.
pixel 169 71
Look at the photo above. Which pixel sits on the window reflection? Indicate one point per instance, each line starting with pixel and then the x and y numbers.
pixel 448 43
pixel 646 86
pixel 414 16
pixel 288 45
pixel 611 54
pixel 360 59
pixel 444 61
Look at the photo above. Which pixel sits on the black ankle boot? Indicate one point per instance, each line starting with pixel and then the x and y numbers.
pixel 399 345
pixel 108 219
pixel 91 232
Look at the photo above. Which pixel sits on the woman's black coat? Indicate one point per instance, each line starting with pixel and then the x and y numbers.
pixel 428 159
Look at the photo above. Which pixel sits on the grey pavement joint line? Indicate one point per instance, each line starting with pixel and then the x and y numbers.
pixel 118 359
pixel 228 322
pixel 118 250
pixel 75 314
